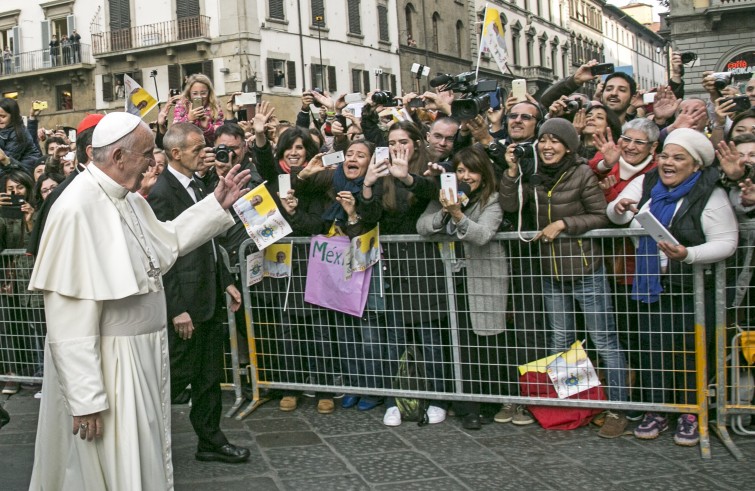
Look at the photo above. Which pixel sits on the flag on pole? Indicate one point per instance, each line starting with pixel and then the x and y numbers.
pixel 138 100
pixel 494 36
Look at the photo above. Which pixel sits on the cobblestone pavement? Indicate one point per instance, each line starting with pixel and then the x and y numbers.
pixel 353 450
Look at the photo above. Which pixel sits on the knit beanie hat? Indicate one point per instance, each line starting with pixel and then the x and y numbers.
pixel 694 142
pixel 563 130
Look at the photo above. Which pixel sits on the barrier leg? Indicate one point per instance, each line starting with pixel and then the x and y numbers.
pixel 233 335
pixel 701 364
pixel 721 393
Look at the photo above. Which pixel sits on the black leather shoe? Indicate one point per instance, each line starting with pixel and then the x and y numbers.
pixel 471 422
pixel 182 398
pixel 228 453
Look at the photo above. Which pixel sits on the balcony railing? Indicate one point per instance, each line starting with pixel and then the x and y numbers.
pixel 533 72
pixel 729 3
pixel 46 59
pixel 151 35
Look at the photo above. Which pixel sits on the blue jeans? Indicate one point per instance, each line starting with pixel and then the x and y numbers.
pixel 363 354
pixel 593 295
pixel 430 340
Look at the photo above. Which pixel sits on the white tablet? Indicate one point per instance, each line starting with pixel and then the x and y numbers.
pixel 655 228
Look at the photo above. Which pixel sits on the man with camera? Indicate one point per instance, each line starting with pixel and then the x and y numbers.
pixel 195 290
pixel 618 90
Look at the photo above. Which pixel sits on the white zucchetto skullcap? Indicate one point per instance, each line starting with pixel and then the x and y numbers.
pixel 113 127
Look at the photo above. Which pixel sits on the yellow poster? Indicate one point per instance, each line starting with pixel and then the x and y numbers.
pixel 138 100
pixel 494 37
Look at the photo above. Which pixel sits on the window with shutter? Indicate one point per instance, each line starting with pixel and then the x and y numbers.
pixel 332 88
pixel 275 8
pixel 120 14
pixel 175 80
pixel 187 8
pixel 356 80
pixel 393 84
pixel 187 13
pixel 45 43
pixel 107 88
pixel 207 69
pixel 366 81
pixel 316 76
pixel 383 29
pixel 276 73
pixel 120 23
pixel 318 10
pixel 291 74
pixel 270 75
pixel 355 21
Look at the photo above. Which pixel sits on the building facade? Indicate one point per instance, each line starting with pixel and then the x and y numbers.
pixel 434 34
pixel 719 32
pixel 339 46
pixel 277 48
pixel 537 39
pixel 31 70
pixel 631 46
pixel 586 34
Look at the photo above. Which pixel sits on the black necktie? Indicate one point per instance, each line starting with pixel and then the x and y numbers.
pixel 198 192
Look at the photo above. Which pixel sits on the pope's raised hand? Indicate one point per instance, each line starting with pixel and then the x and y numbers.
pixel 232 186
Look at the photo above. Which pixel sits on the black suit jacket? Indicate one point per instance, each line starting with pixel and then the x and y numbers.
pixel 195 284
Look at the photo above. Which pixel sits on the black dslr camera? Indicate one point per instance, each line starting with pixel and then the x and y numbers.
pixel 525 157
pixel 384 98
pixel 223 153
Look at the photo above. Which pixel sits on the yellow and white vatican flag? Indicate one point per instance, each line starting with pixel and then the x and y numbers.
pixel 138 100
pixel 494 36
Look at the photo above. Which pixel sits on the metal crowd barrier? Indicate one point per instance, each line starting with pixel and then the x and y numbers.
pixel 419 301
pixel 735 338
pixel 22 327
pixel 22 321
pixel 419 298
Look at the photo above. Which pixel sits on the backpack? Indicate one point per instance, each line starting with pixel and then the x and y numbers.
pixel 411 376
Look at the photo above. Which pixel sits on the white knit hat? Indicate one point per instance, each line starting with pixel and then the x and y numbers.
pixel 113 127
pixel 694 142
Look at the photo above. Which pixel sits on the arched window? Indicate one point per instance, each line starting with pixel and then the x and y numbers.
pixel 459 39
pixel 409 14
pixel 436 20
pixel 515 36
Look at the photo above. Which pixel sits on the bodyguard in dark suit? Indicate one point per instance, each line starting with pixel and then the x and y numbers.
pixel 194 294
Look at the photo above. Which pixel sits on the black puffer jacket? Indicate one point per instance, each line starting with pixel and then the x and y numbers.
pixel 23 154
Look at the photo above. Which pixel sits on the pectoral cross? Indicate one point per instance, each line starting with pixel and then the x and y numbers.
pixel 153 271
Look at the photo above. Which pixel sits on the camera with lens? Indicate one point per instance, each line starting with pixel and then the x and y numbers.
pixel 525 157
pixel 573 105
pixel 475 97
pixel 524 151
pixel 223 153
pixel 721 80
pixel 174 92
pixel 474 100
pixel 688 57
pixel 315 102
pixel 384 98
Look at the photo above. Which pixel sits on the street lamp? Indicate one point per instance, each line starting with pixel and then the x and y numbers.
pixel 319 19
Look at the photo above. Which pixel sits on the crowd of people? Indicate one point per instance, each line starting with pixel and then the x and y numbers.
pixel 555 167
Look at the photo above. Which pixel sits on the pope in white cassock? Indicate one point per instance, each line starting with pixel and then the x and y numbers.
pixel 104 421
